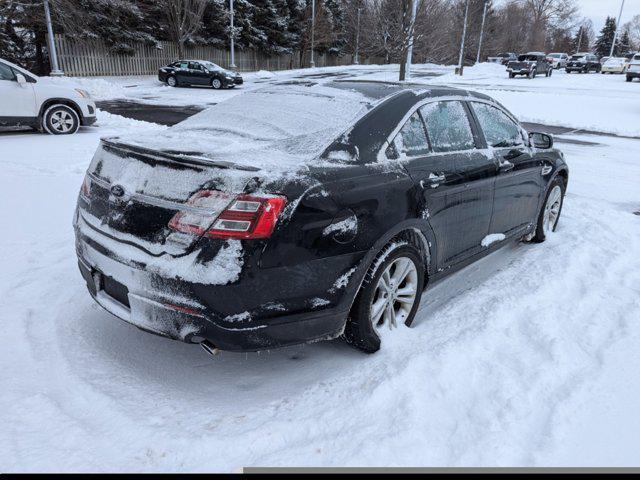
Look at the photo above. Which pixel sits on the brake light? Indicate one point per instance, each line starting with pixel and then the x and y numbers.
pixel 221 215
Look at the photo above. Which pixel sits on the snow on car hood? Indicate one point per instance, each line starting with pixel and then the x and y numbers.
pixel 276 129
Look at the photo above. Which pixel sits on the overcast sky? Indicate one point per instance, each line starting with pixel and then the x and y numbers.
pixel 597 10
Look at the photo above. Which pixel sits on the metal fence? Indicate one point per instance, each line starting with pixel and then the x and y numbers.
pixel 94 58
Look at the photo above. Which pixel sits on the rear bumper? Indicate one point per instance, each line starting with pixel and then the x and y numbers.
pixel 234 317
pixel 162 318
pixel 633 74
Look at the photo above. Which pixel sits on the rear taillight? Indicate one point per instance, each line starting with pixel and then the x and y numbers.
pixel 85 188
pixel 221 215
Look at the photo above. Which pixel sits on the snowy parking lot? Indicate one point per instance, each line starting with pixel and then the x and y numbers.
pixel 527 358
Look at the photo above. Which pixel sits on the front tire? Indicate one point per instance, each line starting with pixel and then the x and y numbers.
pixel 216 83
pixel 388 297
pixel 171 81
pixel 60 120
pixel 549 215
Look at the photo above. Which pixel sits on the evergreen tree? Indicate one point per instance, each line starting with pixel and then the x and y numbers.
pixel 605 39
pixel 623 46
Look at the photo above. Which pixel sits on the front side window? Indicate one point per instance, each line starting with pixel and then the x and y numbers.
pixel 499 130
pixel 6 73
pixel 448 126
pixel 412 139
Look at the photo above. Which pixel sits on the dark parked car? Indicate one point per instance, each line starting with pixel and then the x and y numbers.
pixel 583 63
pixel 304 212
pixel 530 65
pixel 198 72
pixel 503 58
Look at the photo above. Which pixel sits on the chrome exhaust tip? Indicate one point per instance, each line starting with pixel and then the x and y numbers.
pixel 210 348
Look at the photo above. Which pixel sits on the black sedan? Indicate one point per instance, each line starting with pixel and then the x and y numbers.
pixel 199 73
pixel 305 212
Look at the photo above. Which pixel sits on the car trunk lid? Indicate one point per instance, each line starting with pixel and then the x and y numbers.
pixel 134 193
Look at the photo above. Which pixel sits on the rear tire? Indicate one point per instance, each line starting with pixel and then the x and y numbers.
pixel 512 75
pixel 383 304
pixel 549 215
pixel 60 120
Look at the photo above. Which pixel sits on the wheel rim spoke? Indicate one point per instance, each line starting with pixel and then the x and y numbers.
pixel 395 294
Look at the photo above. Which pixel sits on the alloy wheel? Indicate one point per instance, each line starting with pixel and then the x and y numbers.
pixel 216 83
pixel 552 210
pixel 62 121
pixel 395 294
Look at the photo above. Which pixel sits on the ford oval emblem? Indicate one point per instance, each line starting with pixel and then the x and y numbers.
pixel 117 190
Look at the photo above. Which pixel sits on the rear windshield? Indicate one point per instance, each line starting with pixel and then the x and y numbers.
pixel 527 58
pixel 556 55
pixel 272 128
pixel 578 57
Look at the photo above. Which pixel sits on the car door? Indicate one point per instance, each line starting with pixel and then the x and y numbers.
pixel 199 76
pixel 450 129
pixel 18 100
pixel 456 212
pixel 183 75
pixel 518 184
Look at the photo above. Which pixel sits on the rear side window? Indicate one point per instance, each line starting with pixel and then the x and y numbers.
pixel 448 126
pixel 412 139
pixel 636 58
pixel 6 73
pixel 499 130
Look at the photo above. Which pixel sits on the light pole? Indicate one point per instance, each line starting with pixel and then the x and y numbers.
pixel 580 34
pixel 484 17
pixel 615 35
pixel 55 70
pixel 464 36
pixel 312 63
pixel 414 11
pixel 356 60
pixel 232 33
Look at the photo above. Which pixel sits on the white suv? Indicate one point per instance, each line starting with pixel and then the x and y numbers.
pixel 28 100
pixel 634 68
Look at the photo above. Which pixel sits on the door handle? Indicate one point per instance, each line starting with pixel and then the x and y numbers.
pixel 515 153
pixel 433 180
pixel 505 166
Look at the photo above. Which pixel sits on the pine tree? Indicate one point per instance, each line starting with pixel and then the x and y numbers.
pixel 605 39
pixel 623 46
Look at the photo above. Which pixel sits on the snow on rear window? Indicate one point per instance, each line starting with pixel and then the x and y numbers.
pixel 276 128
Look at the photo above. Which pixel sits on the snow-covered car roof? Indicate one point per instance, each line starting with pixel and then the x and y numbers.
pixel 281 127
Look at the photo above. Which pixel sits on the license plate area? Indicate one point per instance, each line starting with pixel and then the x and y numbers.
pixel 114 289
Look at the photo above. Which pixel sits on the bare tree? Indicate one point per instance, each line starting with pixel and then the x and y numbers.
pixel 546 14
pixel 633 27
pixel 184 19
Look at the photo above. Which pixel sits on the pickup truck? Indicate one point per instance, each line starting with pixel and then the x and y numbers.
pixel 530 64
pixel 503 58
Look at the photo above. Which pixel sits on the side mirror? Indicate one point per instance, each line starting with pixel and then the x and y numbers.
pixel 20 79
pixel 542 141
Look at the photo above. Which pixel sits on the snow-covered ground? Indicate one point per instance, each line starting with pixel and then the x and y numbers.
pixel 529 357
